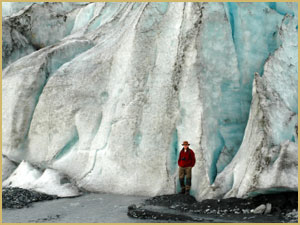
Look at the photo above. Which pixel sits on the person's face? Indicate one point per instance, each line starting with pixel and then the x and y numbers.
pixel 185 146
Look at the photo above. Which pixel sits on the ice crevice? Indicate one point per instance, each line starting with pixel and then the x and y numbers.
pixel 68 146
pixel 232 12
pixel 234 15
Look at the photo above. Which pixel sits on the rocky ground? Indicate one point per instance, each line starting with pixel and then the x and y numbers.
pixel 16 198
pixel 264 208
pixel 18 206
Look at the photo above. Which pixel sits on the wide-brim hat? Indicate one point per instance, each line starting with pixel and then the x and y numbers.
pixel 185 143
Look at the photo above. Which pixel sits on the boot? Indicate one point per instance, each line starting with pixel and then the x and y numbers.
pixel 182 190
pixel 182 186
pixel 188 186
pixel 189 182
pixel 187 191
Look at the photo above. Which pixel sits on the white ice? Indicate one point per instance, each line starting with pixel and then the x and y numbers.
pixel 49 181
pixel 106 92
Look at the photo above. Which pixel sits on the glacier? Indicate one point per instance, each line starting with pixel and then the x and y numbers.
pixel 104 93
pixel 50 181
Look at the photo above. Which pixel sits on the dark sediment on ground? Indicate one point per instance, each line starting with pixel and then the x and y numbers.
pixel 282 207
pixel 16 198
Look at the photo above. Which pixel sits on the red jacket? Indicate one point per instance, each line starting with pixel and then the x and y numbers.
pixel 186 159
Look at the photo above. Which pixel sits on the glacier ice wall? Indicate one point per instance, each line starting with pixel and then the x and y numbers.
pixel 21 27
pixel 268 157
pixel 106 93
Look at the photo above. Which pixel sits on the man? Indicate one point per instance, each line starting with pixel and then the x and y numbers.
pixel 185 162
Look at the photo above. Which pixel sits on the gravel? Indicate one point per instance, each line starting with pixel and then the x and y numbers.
pixel 16 198
pixel 282 207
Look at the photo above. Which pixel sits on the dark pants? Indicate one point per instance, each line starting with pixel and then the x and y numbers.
pixel 187 173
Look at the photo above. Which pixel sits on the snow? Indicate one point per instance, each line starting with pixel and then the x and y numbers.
pixel 106 93
pixel 23 176
pixel 50 181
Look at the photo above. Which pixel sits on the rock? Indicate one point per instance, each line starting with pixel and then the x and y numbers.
pixel 260 209
pixel 148 214
pixel 246 211
pixel 163 207
pixel 292 217
pixel 268 208
pixel 140 205
pixel 131 207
